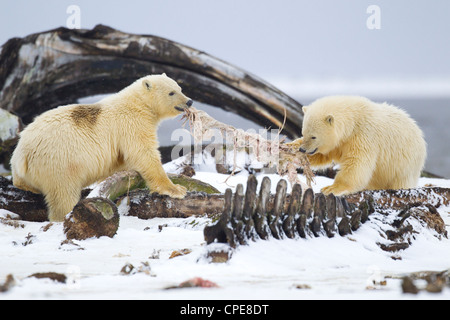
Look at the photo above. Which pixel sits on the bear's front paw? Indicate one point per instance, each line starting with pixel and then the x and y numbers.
pixel 294 145
pixel 336 190
pixel 175 191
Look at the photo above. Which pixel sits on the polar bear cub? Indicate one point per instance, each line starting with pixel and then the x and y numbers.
pixel 378 146
pixel 70 147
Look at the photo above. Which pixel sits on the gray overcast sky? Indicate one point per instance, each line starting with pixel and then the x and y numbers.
pixel 322 38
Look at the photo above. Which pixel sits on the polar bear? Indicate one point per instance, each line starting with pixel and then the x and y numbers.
pixel 68 148
pixel 378 146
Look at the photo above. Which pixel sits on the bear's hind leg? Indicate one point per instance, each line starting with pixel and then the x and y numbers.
pixel 20 183
pixel 405 182
pixel 60 202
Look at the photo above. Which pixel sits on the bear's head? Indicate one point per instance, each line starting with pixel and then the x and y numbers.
pixel 326 124
pixel 164 96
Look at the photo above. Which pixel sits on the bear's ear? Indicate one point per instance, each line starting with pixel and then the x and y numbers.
pixel 164 74
pixel 304 109
pixel 329 119
pixel 147 85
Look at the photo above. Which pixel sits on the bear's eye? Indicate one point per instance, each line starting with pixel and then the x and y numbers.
pixel 172 93
pixel 313 138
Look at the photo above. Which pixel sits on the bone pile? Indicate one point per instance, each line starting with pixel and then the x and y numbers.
pixel 276 153
pixel 250 216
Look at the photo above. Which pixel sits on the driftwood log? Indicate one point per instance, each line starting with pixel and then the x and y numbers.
pixel 57 67
pixel 121 183
pixel 128 187
pixel 29 206
pixel 398 199
pixel 122 186
pixel 144 205
pixel 94 217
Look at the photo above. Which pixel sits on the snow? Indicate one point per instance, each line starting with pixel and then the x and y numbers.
pixel 337 268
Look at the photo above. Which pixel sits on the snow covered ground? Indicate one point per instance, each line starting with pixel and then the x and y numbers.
pixel 337 268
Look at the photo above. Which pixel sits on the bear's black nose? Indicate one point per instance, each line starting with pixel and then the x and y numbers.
pixel 189 103
pixel 302 150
